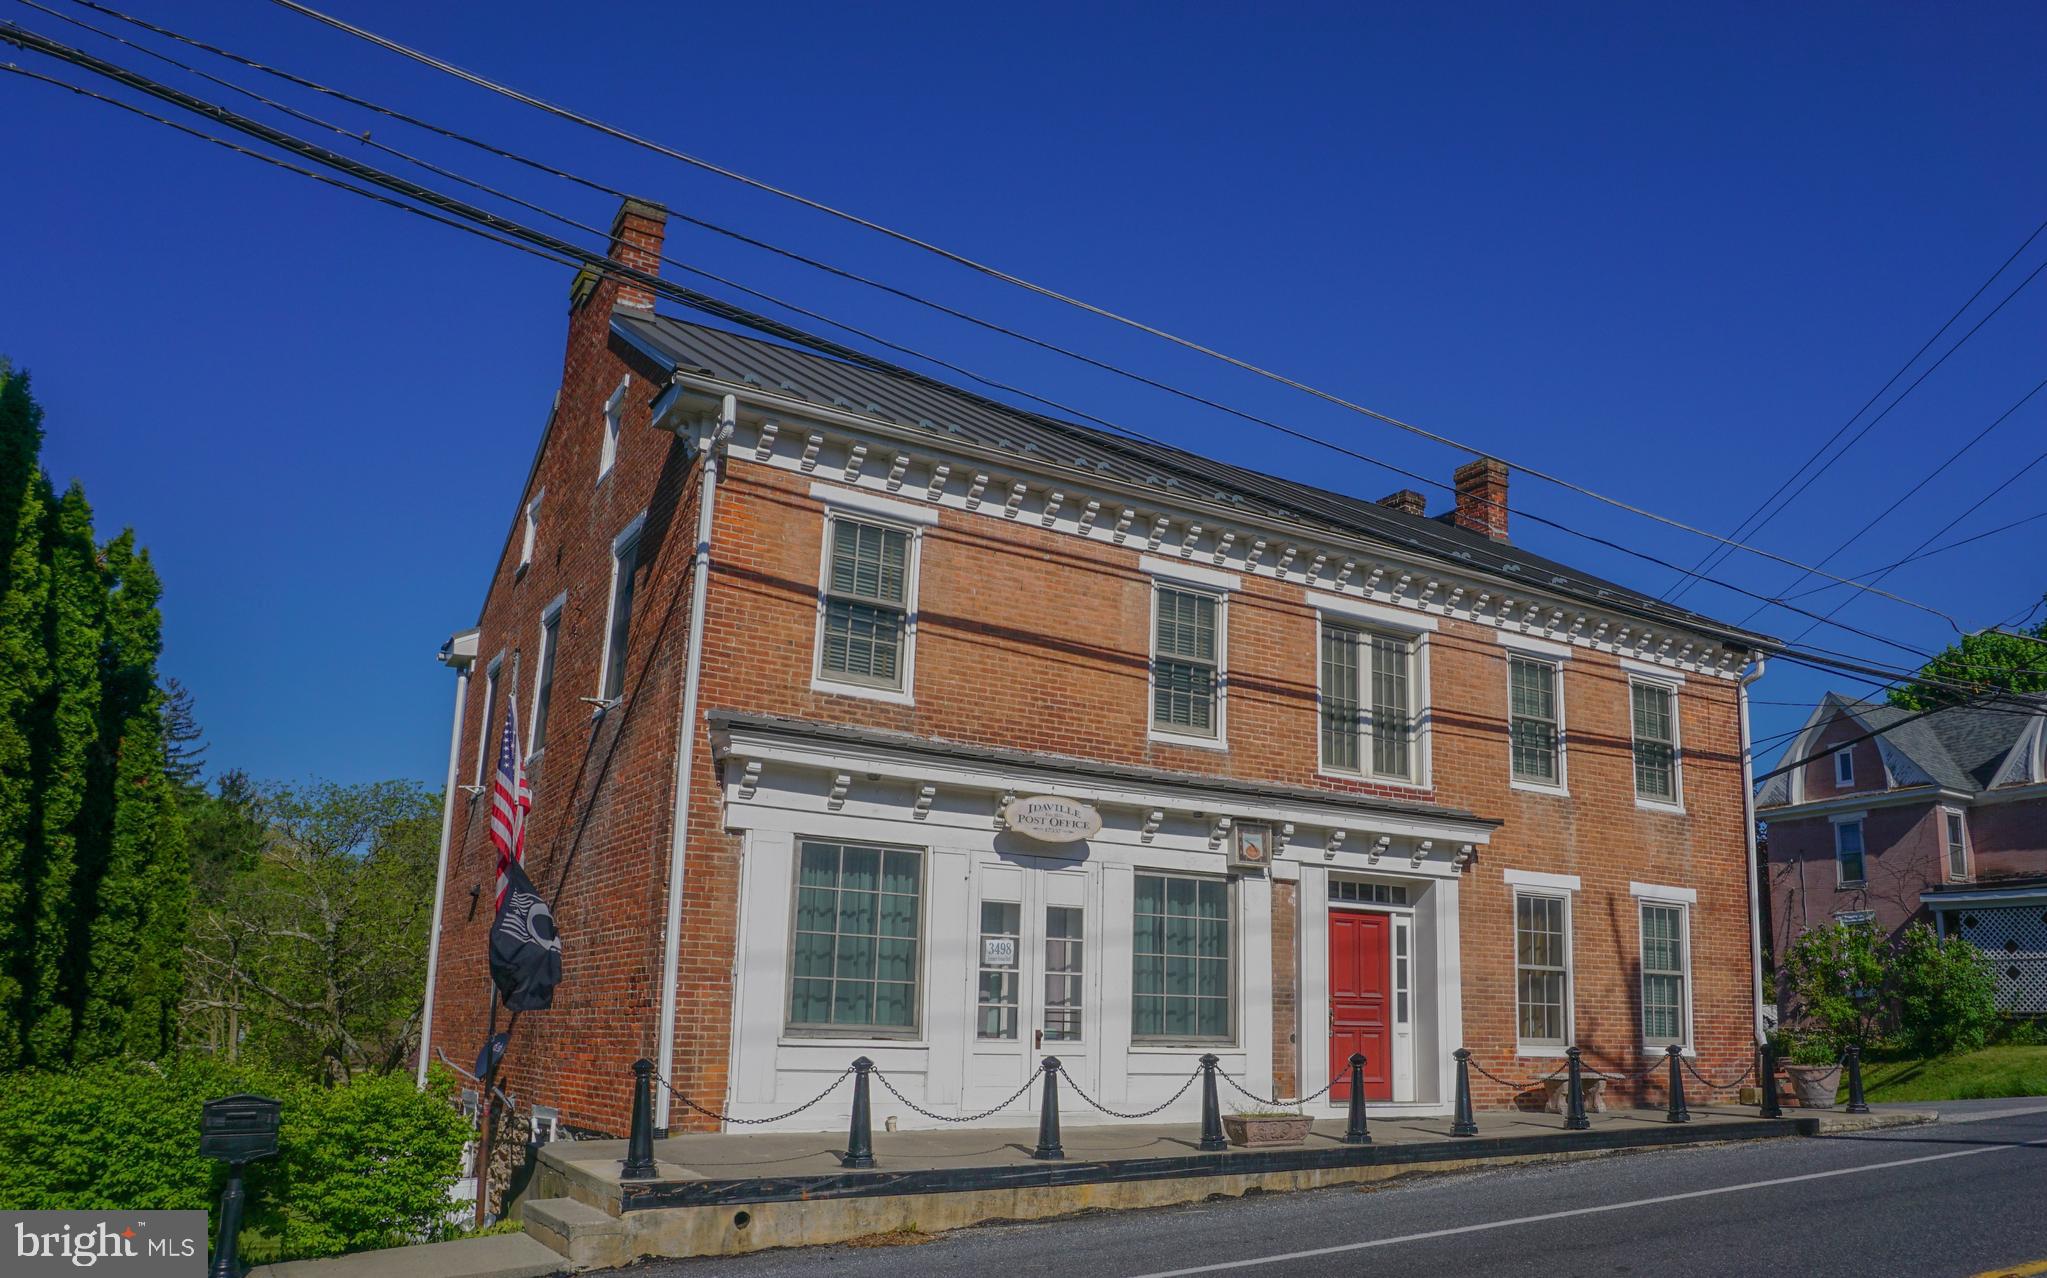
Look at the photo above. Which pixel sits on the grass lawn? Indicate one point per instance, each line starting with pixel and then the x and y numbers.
pixel 1993 1071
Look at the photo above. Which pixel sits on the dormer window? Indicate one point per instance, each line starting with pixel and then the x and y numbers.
pixel 1844 767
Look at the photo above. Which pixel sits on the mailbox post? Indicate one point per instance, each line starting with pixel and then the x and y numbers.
pixel 235 1130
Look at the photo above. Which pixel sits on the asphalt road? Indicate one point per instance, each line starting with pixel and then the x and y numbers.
pixel 1960 1197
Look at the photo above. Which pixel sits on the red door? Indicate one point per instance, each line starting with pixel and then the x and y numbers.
pixel 1359 955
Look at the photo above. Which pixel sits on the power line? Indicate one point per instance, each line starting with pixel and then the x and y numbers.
pixel 1714 555
pixel 570 254
pixel 1796 764
pixel 708 166
pixel 1939 550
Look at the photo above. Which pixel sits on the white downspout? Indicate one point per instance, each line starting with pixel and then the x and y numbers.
pixel 1748 814
pixel 685 754
pixel 433 945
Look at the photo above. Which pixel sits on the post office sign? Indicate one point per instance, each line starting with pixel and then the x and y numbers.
pixel 1050 819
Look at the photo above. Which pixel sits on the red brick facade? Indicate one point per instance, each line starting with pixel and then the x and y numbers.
pixel 1026 638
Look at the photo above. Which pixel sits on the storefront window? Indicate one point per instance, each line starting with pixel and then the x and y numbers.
pixel 854 950
pixel 1181 981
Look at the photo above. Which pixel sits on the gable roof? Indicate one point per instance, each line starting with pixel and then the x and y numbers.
pixel 1962 748
pixel 912 401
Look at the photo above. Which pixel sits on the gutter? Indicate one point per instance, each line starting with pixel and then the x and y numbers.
pixel 1748 814
pixel 685 754
pixel 459 652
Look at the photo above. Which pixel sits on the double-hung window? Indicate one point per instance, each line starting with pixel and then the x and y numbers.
pixel 1655 718
pixel 1535 719
pixel 1186 667
pixel 854 963
pixel 1181 978
pixel 865 637
pixel 1368 692
pixel 1666 994
pixel 1844 768
pixel 1955 828
pixel 543 685
pixel 1849 870
pixel 625 566
pixel 1542 969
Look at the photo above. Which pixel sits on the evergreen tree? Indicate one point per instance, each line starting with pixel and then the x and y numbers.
pixel 131 716
pixel 184 744
pixel 24 682
pixel 64 738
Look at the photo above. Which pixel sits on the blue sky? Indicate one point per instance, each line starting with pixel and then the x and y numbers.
pixel 1663 251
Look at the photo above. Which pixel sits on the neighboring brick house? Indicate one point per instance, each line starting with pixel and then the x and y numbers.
pixel 1003 736
pixel 1940 818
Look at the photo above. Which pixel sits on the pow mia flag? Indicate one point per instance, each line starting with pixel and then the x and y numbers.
pixel 525 950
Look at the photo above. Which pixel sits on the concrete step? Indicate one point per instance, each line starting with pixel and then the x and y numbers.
pixel 585 1236
pixel 492 1256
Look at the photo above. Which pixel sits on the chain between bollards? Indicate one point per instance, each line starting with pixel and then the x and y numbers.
pixel 1462 1121
pixel 1355 1133
pixel 860 1134
pixel 1211 1109
pixel 1049 1149
pixel 639 1149
pixel 1574 1100
pixel 1679 1112
pixel 1857 1104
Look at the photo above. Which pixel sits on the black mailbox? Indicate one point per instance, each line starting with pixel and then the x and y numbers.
pixel 238 1129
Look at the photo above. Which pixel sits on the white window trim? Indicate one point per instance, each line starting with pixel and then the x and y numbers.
pixel 1654 672
pixel 1968 874
pixel 1684 1041
pixel 1546 649
pixel 543 651
pixel 484 739
pixel 1528 652
pixel 529 536
pixel 1676 803
pixel 1844 755
pixel 1854 819
pixel 625 535
pixel 1349 614
pixel 1555 891
pixel 820 681
pixel 1154 1042
pixel 866 503
pixel 614 428
pixel 1165 736
pixel 1664 893
pixel 1193 576
pixel 852 1035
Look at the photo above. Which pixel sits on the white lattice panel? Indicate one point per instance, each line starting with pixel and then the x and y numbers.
pixel 2014 938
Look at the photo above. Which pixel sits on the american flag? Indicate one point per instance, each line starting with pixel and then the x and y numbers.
pixel 510 800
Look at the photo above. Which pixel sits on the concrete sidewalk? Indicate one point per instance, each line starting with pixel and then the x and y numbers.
pixel 494 1256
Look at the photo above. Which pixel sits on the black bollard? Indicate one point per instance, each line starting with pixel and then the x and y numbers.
pixel 860 1136
pixel 1355 1134
pixel 225 1263
pixel 1048 1115
pixel 1462 1121
pixel 1770 1107
pixel 639 1146
pixel 1678 1112
pixel 1856 1103
pixel 1211 1109
pixel 1574 1097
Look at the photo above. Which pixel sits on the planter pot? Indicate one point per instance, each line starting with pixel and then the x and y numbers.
pixel 1814 1085
pixel 1255 1132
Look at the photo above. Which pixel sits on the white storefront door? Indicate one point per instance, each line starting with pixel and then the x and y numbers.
pixel 1033 984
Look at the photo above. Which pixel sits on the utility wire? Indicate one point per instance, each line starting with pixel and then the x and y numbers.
pixel 1941 550
pixel 1718 553
pixel 711 305
pixel 856 277
pixel 995 273
pixel 1796 764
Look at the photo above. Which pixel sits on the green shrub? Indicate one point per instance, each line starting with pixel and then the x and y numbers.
pixel 368 1164
pixel 1944 995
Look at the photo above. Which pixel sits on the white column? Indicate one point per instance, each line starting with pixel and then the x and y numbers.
pixel 433 945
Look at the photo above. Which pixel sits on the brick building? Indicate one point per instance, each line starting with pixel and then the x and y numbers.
pixel 871 717
pixel 1940 819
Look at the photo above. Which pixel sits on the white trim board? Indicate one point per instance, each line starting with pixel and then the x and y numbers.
pixel 1539 879
pixel 1659 892
pixel 1530 644
pixel 1192 574
pixel 872 504
pixel 1370 613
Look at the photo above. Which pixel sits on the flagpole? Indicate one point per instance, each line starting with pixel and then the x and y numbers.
pixel 495 1059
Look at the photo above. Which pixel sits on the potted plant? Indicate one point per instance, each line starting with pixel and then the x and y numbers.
pixel 1815 1070
pixel 1256 1128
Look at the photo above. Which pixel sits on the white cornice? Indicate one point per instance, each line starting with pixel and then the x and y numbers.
pixel 793 434
pixel 1856 802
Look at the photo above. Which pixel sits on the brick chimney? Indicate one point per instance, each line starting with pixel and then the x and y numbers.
pixel 1482 497
pixel 636 235
pixel 1407 501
